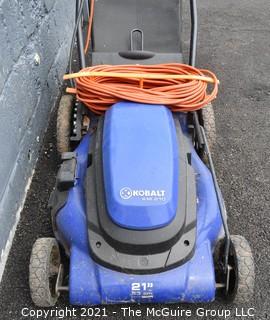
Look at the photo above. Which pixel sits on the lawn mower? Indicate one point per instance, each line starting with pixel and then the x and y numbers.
pixel 136 207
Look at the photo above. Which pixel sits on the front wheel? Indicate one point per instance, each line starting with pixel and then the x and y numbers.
pixel 241 276
pixel 43 272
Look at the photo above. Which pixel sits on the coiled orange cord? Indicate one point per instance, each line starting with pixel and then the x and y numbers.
pixel 178 86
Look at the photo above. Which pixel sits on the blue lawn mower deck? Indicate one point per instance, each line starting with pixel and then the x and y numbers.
pixel 136 205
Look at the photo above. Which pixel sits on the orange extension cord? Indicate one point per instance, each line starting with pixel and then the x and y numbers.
pixel 90 23
pixel 178 86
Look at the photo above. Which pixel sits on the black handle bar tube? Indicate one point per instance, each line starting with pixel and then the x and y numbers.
pixel 200 131
pixel 194 32
pixel 80 34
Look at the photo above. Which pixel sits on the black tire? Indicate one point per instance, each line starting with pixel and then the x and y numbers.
pixel 209 124
pixel 63 126
pixel 242 273
pixel 43 270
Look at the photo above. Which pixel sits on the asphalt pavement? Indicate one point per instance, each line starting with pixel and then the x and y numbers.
pixel 234 42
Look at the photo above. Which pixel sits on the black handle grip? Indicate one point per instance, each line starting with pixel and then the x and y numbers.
pixel 137 54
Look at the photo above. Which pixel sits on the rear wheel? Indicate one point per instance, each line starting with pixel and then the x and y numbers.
pixel 63 128
pixel 43 272
pixel 209 124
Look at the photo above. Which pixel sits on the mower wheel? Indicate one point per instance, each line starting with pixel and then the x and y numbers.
pixel 63 126
pixel 43 272
pixel 241 272
pixel 209 125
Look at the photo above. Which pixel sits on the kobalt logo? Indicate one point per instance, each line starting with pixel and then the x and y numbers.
pixel 127 193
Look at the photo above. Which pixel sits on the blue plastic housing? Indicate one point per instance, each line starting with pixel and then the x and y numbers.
pixel 93 284
pixel 140 165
